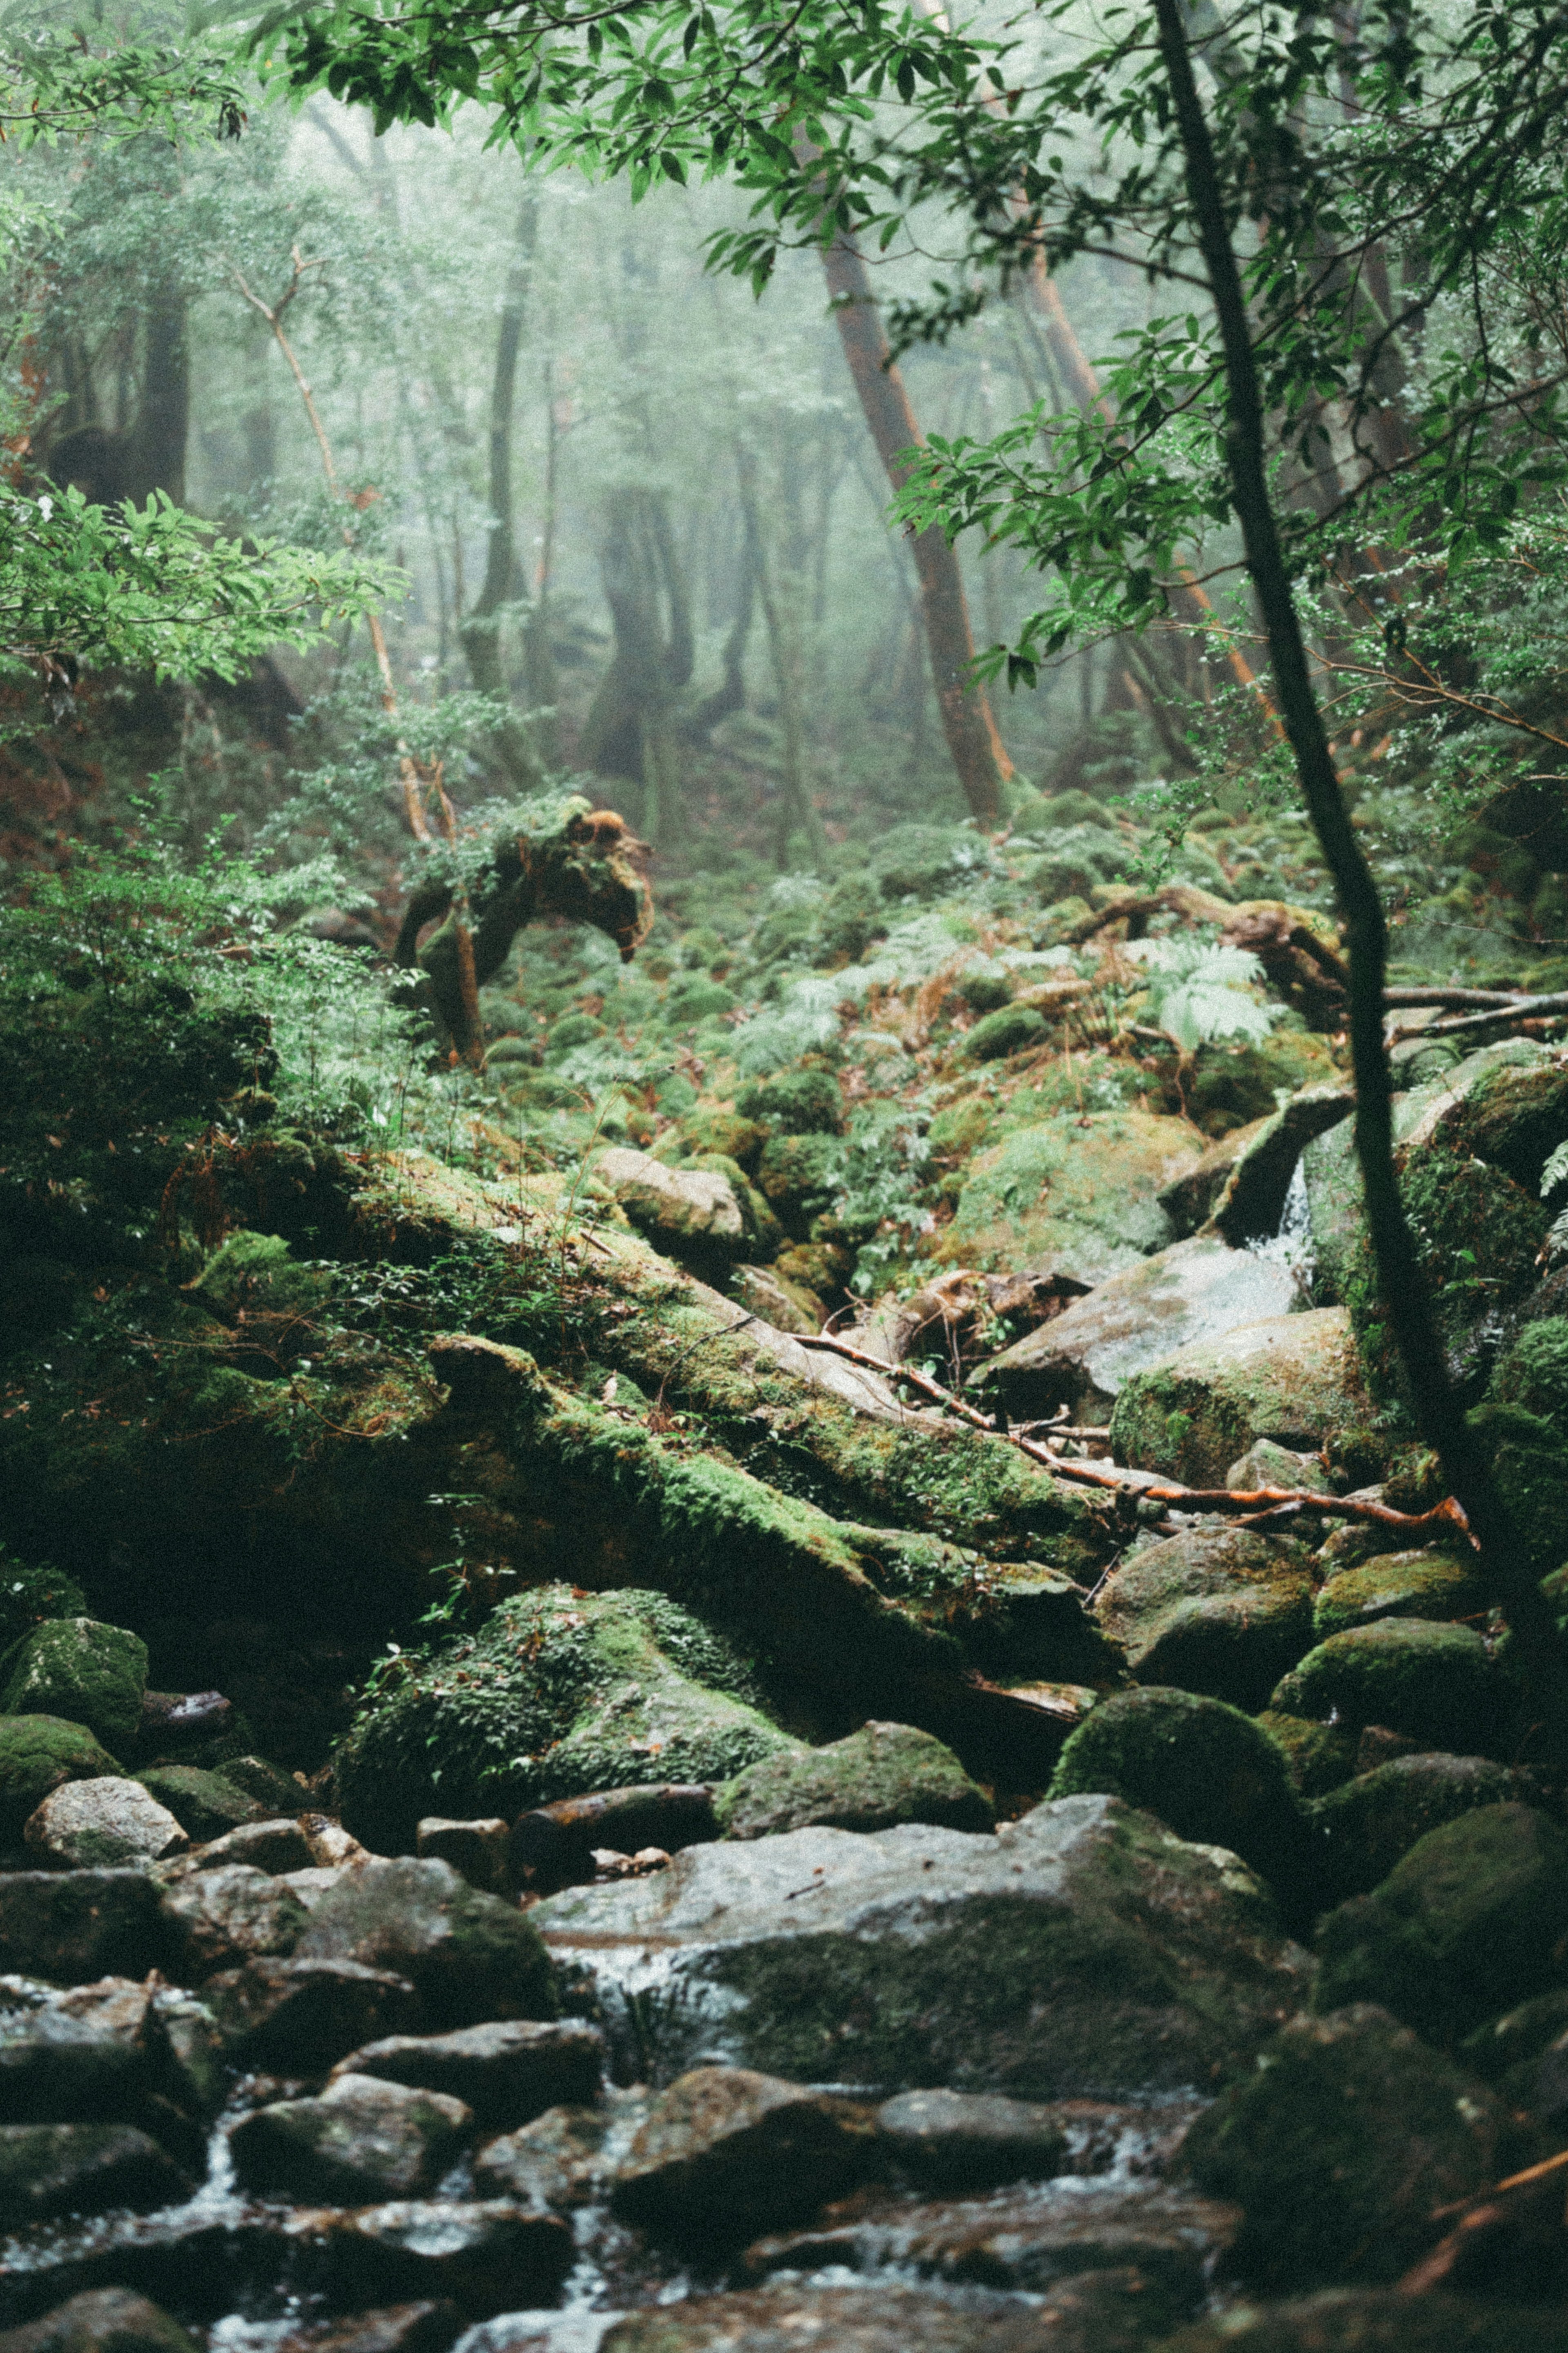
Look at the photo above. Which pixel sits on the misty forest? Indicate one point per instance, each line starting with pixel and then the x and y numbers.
pixel 784 1176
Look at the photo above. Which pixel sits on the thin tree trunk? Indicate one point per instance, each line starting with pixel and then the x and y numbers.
pixel 1403 1293
pixel 796 806
pixel 983 765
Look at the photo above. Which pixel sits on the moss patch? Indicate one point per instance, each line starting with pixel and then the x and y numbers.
pixel 1207 1772
pixel 882 1775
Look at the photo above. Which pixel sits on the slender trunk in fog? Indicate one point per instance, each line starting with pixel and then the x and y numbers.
pixel 796 807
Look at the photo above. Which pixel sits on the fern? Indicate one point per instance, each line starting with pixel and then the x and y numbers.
pixel 1555 1172
pixel 1196 992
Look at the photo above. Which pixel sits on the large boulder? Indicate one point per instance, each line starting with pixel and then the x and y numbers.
pixel 1105 2313
pixel 102 2320
pixel 85 2168
pixel 725 2153
pixel 220 1919
pixel 881 1776
pixel 1432 1583
pixel 1361 1830
pixel 507 2072
pixel 97 1824
pixel 81 1671
pixel 1437 1684
pixel 1292 1378
pixel 72 1925
pixel 1182 1297
pixel 39 1754
pixel 897 1959
pixel 1221 1610
pixel 561 1692
pixel 1206 1770
pixel 698 1214
pixel 1075 1193
pixel 469 1956
pixel 1339 2145
pixel 362 2140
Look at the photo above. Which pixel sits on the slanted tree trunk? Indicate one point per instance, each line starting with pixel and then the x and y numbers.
pixel 983 765
pixel 633 728
pixel 1438 1407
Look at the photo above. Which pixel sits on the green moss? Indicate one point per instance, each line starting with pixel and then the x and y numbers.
pixel 1210 1773
pixel 1222 1612
pixel 1430 1584
pixel 208 1803
pixel 881 1776
pixel 1319 1755
pixel 697 1000
pixel 29 1594
pixel 1365 1827
pixel 1515 1116
pixel 1008 1031
pixel 1082 1192
pixel 1533 1373
pixel 76 1668
pixel 795 1102
pixel 920 861
pixel 1080 857
pixel 250 1271
pixel 1435 1684
pixel 740 1140
pixel 1291 1379
pixel 40 1753
pixel 800 1175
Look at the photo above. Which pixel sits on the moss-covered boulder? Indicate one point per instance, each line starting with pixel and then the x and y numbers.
pixel 1079 858
pixel 1532 1373
pixel 1292 1378
pixel 1435 1684
pixel 1361 1830
pixel 795 1102
pixel 209 1803
pixel 1206 1770
pixel 1471 1920
pixel 1530 1464
pixel 1515 1114
pixel 1432 1583
pixel 882 1775
pixel 1219 1610
pixel 30 1592
pixel 1007 1032
pixel 799 1176
pixel 1077 1193
pixel 1319 1755
pixel 1338 2144
pixel 40 1753
pixel 693 1213
pixel 86 1672
pixel 560 1694
pixel 258 1277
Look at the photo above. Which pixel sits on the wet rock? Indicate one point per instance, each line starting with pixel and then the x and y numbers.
pixel 471 1956
pixel 1104 2315
pixel 276 1848
pixel 477 1851
pixel 1430 1584
pixel 220 1919
pixel 1221 1610
pixel 363 2140
pixel 487 2255
pixel 894 1958
pixel 39 1754
pixel 1293 1379
pixel 685 1212
pixel 1189 1201
pixel 1078 1193
pixel 972 2140
pixel 1182 1297
pixel 881 1775
pixel 100 1825
pixel 1471 1920
pixel 427 2326
pixel 1364 1828
pixel 1339 2144
pixel 1209 1772
pixel 72 1925
pixel 208 1804
pixel 1265 1464
pixel 173 1721
pixel 83 2168
pixel 82 2061
pixel 1251 1202
pixel 1319 1755
pixel 1437 1685
pixel 304 2015
pixel 81 1671
pixel 275 1791
pixel 725 2152
pixel 552 1846
pixel 507 2072
pixel 106 2320
pixel 1379 2320
pixel 1025 2240
pixel 567 2158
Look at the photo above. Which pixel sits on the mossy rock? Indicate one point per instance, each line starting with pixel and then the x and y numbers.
pixel 988 992
pixel 1338 2145
pixel 560 1694
pixel 206 1802
pixel 1233 1086
pixel 1058 810
pixel 1533 1373
pixel 38 1754
pixel 251 1272
pixel 881 1776
pixel 1430 1584
pixel 799 1176
pixel 572 1032
pixel 1079 860
pixel 1470 1920
pixel 1292 1378
pixel 30 1593
pixel 1529 1466
pixel 852 917
pixel 921 862
pixel 697 1000
pixel 795 1102
pixel 740 1140
pixel 1218 1610
pixel 1364 1828
pixel 1080 1194
pixel 1435 1684
pixel 1515 1116
pixel 1321 1755
pixel 277 1792
pixel 1210 1773
pixel 83 1670
pixel 1008 1031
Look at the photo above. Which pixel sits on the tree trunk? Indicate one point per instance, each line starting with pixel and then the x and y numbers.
pixel 1403 1294
pixel 796 807
pixel 632 729
pixel 165 415
pixel 984 767
pixel 481 632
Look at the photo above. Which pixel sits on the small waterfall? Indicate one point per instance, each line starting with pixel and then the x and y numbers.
pixel 1290 1243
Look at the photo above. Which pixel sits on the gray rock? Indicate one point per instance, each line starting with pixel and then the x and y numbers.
pixel 1185 1296
pixel 686 1211
pixel 102 1825
pixel 1293 1378
pixel 758 1288
pixel 83 1672
pixel 489 2256
pixel 1107 2315
pixel 1380 2320
pixel 1340 2145
pixel 897 1957
pixel 105 2320
pixel 507 2072
pixel 881 1776
pixel 83 2168
pixel 1026 2240
pixel 569 2157
pixel 725 2152
pixel 75 1924
pixel 1265 1464
pixel 220 1919
pixel 1220 1611
pixel 278 1848
pixel 471 1956
pixel 302 2016
pixel 63 2062
pixel 365 2139
pixel 37 1754
pixel 973 2140
pixel 476 1849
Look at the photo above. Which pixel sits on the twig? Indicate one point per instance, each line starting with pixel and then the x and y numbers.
pixel 1518 1009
